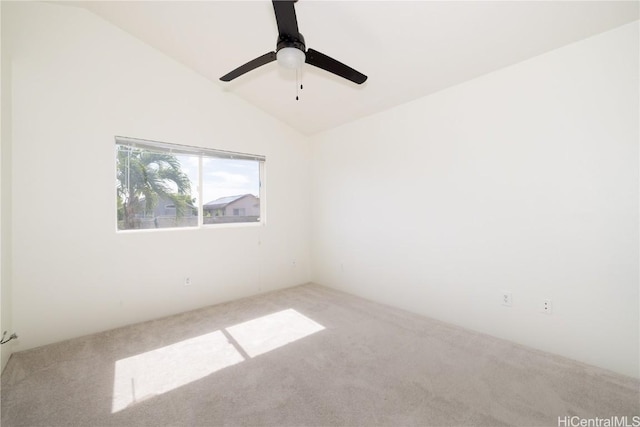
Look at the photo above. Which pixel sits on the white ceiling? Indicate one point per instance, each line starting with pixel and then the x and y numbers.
pixel 408 49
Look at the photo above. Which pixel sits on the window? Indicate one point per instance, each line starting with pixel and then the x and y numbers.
pixel 162 185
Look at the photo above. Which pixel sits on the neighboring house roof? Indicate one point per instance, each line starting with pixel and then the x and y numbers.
pixel 223 201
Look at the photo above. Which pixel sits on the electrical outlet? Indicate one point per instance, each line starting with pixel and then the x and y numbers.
pixel 546 306
pixel 507 299
pixel 187 281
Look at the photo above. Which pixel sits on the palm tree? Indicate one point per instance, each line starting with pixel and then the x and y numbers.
pixel 143 178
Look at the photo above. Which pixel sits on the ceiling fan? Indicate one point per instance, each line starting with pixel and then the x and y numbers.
pixel 291 51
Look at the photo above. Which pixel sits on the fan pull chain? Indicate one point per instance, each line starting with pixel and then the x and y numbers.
pixel 298 80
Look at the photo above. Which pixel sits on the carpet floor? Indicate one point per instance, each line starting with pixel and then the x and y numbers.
pixel 304 356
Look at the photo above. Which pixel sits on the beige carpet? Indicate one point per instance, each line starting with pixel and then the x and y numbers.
pixel 307 355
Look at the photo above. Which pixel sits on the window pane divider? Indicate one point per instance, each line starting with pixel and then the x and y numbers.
pixel 200 192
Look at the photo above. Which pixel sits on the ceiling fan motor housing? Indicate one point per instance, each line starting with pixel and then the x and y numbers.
pixel 286 40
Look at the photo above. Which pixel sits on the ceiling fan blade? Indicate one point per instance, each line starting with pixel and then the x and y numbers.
pixel 251 65
pixel 286 18
pixel 329 64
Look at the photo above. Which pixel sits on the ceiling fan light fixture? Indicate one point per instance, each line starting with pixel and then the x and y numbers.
pixel 291 57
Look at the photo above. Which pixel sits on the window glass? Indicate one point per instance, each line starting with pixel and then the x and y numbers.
pixel 231 189
pixel 158 185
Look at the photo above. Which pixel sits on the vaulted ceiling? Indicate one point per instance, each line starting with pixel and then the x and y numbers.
pixel 408 49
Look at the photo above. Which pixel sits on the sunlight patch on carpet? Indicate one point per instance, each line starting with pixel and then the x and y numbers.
pixel 146 375
pixel 261 335
pixel 155 372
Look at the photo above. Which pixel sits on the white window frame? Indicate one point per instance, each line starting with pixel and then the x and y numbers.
pixel 201 152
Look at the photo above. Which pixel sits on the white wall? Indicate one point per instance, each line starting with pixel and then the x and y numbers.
pixel 6 323
pixel 77 82
pixel 524 180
